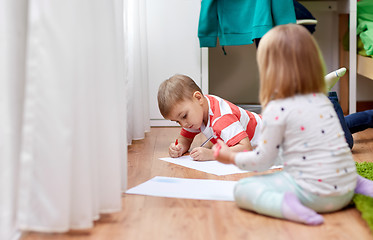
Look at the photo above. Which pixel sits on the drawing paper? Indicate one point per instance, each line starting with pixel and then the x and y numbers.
pixel 213 167
pixel 203 189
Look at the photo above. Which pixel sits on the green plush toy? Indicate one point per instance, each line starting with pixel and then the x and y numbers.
pixel 364 203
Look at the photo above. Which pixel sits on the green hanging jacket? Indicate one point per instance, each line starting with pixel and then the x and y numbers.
pixel 238 22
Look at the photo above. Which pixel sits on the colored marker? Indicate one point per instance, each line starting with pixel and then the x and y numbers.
pixel 217 150
pixel 176 142
pixel 204 143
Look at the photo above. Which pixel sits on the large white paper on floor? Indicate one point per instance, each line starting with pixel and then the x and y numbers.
pixel 186 188
pixel 213 167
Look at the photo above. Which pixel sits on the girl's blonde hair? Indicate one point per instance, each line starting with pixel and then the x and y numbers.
pixel 290 63
pixel 175 90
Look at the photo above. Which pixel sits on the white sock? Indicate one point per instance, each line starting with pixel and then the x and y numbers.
pixel 332 78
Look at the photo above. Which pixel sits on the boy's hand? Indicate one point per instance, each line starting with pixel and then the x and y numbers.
pixel 202 154
pixel 175 150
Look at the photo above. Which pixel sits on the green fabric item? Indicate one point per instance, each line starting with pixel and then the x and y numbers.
pixel 238 22
pixel 363 203
pixel 359 45
pixel 365 24
pixel 364 29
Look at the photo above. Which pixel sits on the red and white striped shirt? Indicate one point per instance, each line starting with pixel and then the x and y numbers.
pixel 228 122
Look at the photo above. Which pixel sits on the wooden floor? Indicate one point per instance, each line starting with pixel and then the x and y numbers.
pixel 145 217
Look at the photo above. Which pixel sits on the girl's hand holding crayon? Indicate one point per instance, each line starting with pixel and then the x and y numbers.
pixel 222 153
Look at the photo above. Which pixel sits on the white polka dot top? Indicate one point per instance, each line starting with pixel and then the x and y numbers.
pixel 314 150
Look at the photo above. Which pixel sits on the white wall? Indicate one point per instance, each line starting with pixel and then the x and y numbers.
pixel 173 46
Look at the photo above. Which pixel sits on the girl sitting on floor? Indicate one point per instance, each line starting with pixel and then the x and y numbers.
pixel 319 173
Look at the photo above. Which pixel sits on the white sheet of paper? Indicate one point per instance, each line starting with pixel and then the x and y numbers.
pixel 213 167
pixel 204 189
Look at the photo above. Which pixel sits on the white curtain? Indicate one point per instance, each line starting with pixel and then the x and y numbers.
pixel 62 113
pixel 13 18
pixel 137 72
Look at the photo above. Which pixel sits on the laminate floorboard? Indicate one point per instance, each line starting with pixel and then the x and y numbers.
pixel 146 217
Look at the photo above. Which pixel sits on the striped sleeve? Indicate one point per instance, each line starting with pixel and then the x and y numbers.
pixel 232 123
pixel 189 133
pixel 229 129
pixel 247 119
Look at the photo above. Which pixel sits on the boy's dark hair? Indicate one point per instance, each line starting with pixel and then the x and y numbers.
pixel 174 90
